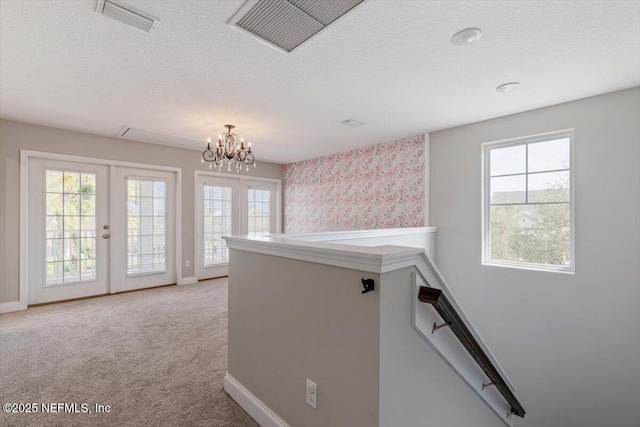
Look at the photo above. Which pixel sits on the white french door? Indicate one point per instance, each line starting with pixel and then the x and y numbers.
pixel 144 229
pixel 230 206
pixel 218 206
pixel 258 212
pixel 95 229
pixel 68 230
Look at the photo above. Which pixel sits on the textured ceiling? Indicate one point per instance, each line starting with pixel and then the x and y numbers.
pixel 388 64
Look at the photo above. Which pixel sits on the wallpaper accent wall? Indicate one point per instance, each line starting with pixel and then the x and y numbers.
pixel 381 186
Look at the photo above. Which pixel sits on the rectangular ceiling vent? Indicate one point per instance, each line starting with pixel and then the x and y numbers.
pixel 128 15
pixel 286 24
pixel 160 138
pixel 352 123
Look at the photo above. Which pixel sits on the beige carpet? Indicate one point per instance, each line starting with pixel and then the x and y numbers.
pixel 157 357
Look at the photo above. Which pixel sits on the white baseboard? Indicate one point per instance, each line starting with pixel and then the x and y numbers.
pixel 8 307
pixel 187 281
pixel 260 412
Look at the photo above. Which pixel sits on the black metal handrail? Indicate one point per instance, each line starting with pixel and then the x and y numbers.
pixel 451 318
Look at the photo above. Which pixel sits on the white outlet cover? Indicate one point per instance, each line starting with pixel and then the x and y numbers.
pixel 312 394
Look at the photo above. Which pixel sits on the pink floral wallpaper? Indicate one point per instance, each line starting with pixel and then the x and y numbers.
pixel 381 186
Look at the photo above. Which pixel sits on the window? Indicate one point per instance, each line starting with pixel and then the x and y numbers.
pixel 528 202
pixel 146 226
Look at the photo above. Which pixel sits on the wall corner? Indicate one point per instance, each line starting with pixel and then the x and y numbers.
pixel 427 158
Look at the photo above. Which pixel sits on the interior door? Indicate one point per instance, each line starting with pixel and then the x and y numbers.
pixel 217 207
pixel 68 230
pixel 143 237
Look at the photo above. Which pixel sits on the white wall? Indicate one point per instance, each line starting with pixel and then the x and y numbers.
pixel 570 343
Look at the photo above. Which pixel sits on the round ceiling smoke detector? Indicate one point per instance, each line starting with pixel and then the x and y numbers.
pixel 466 36
pixel 508 87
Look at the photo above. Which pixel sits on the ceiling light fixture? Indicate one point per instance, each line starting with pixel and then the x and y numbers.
pixel 466 36
pixel 508 87
pixel 228 150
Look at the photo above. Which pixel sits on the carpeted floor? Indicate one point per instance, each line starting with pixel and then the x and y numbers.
pixel 157 357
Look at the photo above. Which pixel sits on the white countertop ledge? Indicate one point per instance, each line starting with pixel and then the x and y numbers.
pixel 373 259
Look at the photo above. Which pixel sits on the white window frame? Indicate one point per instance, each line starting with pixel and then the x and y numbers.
pixel 486 222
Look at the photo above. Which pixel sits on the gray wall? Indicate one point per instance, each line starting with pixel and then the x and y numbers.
pixel 15 136
pixel 417 386
pixel 290 320
pixel 570 343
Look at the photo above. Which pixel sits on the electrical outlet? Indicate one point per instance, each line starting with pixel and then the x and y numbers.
pixel 312 394
pixel 187 263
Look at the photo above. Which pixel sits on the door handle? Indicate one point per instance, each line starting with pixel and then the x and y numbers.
pixel 106 236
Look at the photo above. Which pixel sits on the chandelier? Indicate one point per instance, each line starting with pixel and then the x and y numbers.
pixel 228 150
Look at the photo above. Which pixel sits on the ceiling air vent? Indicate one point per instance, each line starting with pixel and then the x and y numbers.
pixel 128 15
pixel 286 24
pixel 159 138
pixel 351 123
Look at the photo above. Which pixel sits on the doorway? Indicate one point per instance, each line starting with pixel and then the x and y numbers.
pixel 97 228
pixel 231 206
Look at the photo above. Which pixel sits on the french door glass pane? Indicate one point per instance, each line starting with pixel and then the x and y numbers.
pixel 146 226
pixel 70 231
pixel 259 212
pixel 217 223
